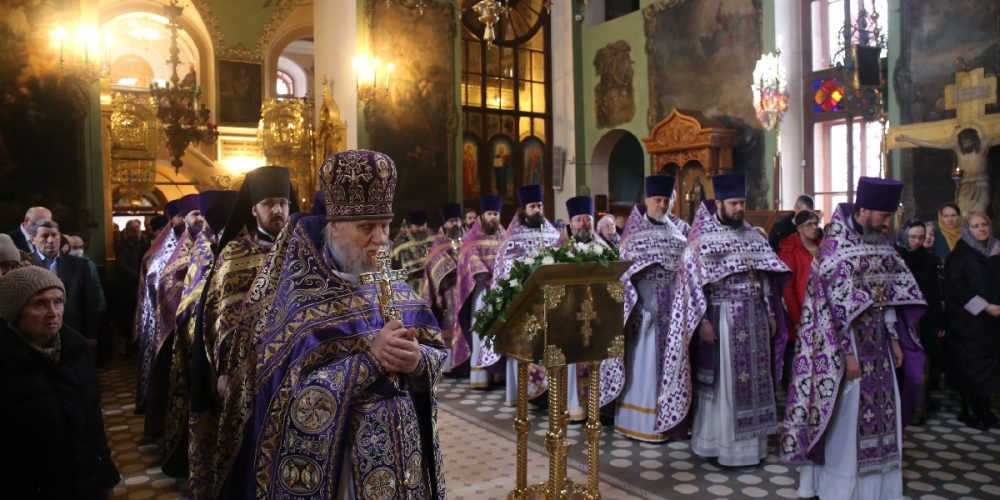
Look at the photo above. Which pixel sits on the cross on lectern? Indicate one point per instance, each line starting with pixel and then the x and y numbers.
pixel 384 276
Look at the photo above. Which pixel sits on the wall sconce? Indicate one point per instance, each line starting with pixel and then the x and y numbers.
pixel 371 78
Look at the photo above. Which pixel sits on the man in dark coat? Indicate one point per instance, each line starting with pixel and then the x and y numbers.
pixel 52 411
pixel 786 225
pixel 20 234
pixel 81 312
pixel 128 260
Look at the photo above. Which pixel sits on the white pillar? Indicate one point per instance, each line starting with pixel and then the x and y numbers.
pixel 335 35
pixel 563 116
pixel 788 32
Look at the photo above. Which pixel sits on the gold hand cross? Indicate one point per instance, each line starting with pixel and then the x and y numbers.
pixel 384 276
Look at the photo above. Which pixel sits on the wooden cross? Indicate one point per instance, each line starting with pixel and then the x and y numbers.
pixel 586 315
pixel 968 96
pixel 384 276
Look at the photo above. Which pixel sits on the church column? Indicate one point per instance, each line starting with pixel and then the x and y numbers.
pixel 788 35
pixel 336 44
pixel 565 38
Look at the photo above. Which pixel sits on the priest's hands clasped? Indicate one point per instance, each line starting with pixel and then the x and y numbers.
pixel 396 348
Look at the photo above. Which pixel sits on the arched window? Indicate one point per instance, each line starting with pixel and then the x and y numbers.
pixel 285 87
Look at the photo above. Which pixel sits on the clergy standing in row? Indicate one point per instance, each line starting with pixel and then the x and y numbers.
pixel 344 405
pixel 844 418
pixel 528 233
pixel 214 204
pixel 476 259
pixel 262 210
pixel 411 246
pixel 159 351
pixel 654 244
pixel 438 287
pixel 728 299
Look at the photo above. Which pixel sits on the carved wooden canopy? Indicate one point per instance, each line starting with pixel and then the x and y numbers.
pixel 686 135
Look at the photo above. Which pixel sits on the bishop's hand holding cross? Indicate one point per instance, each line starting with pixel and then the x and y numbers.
pixel 395 347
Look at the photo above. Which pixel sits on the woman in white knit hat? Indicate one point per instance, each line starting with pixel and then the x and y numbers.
pixel 10 256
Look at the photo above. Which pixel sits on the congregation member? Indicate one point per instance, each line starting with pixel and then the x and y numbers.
pixel 727 299
pixel 949 231
pixel 81 300
pixel 21 235
pixel 785 226
pixel 441 275
pixel 846 409
pixel 52 402
pixel 797 251
pixel 972 289
pixel 10 256
pixel 607 232
pixel 654 245
pixel 931 328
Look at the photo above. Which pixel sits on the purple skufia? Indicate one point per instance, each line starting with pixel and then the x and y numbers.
pixel 187 204
pixel 490 203
pixel 580 205
pixel 451 211
pixel 171 208
pixel 531 193
pixel 731 185
pixel 877 194
pixel 660 185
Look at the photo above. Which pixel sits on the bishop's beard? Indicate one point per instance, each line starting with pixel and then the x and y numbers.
pixel 347 257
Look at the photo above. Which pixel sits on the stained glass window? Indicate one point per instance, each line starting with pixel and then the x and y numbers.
pixel 828 93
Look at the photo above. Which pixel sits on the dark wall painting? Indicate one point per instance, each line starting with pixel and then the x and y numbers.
pixel 42 121
pixel 471 188
pixel 416 123
pixel 614 94
pixel 701 56
pixel 240 93
pixel 935 35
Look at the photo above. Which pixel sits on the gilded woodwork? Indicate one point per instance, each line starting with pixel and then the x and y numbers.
pixel 133 138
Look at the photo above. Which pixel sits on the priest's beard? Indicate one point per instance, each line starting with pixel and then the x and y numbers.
pixel 659 219
pixel 532 221
pixel 734 221
pixel 455 232
pixel 871 235
pixel 491 227
pixel 583 235
pixel 419 235
pixel 348 257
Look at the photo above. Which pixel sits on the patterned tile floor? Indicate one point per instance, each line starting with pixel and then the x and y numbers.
pixel 942 458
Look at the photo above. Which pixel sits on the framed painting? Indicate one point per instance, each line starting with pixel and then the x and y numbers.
pixel 501 162
pixel 471 187
pixel 241 91
pixel 533 160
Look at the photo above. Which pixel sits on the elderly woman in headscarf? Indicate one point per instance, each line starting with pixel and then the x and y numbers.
pixel 609 233
pixel 924 267
pixel 972 289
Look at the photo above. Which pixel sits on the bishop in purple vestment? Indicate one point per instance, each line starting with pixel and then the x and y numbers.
pixel 727 296
pixel 344 403
pixel 845 412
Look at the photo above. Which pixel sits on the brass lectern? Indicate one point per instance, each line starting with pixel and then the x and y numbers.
pixel 566 313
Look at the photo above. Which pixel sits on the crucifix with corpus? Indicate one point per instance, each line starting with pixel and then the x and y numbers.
pixel 383 278
pixel 970 135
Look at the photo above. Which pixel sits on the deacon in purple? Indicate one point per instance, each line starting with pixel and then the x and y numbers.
pixel 439 281
pixel 476 258
pixel 344 403
pixel 654 244
pixel 845 412
pixel 728 298
pixel 528 233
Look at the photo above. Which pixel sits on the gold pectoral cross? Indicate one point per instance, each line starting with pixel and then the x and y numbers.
pixel 879 295
pixel 384 276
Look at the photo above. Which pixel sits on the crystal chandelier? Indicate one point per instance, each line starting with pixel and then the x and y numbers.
pixel 489 12
pixel 179 107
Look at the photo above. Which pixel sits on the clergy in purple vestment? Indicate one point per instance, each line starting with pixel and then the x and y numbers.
pixel 727 297
pixel 476 258
pixel 846 408
pixel 654 245
pixel 158 352
pixel 527 233
pixel 438 286
pixel 344 403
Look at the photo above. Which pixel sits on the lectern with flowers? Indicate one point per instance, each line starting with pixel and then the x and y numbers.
pixel 563 305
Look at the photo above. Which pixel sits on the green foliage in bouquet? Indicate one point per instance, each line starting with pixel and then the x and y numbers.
pixel 499 297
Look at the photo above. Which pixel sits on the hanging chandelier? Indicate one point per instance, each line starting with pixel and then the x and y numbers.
pixel 185 120
pixel 489 12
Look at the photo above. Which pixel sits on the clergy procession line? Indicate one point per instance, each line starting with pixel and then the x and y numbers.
pixel 269 366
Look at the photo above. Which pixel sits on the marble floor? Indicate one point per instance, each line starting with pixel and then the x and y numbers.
pixel 943 459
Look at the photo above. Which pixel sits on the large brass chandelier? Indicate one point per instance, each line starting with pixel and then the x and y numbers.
pixel 179 108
